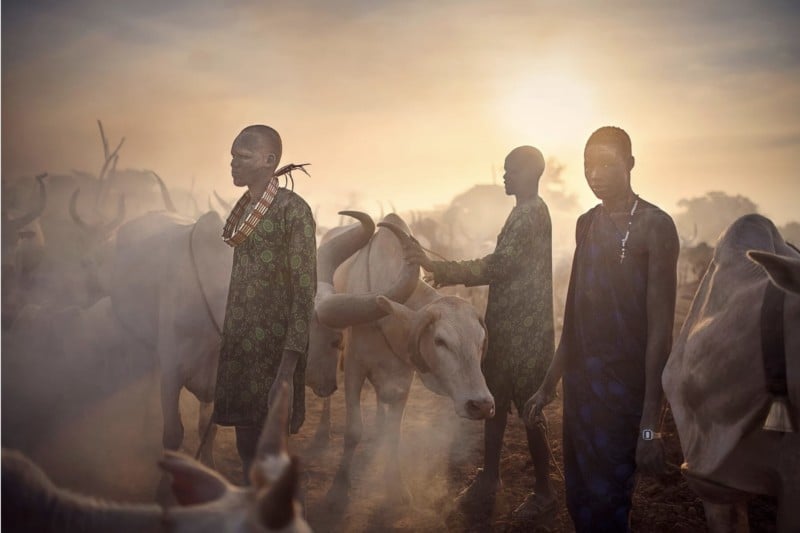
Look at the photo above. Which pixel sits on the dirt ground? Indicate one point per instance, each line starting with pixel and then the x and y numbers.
pixel 109 449
pixel 94 425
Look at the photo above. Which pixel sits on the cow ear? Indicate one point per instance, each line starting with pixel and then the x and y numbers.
pixel 783 271
pixel 397 331
pixel 276 504
pixel 192 483
pixel 394 308
pixel 485 347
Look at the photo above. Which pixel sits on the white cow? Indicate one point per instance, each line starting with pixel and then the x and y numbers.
pixel 395 325
pixel 716 382
pixel 169 287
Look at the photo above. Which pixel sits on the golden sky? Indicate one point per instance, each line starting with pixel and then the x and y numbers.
pixel 411 102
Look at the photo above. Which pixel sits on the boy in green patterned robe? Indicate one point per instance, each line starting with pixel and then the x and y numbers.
pixel 519 319
pixel 271 296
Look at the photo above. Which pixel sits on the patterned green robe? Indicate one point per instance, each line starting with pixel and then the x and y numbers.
pixel 270 305
pixel 519 315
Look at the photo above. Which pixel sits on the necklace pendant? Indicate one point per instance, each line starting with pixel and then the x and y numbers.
pixel 622 256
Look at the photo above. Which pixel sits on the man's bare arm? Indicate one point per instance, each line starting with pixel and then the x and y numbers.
pixel 663 247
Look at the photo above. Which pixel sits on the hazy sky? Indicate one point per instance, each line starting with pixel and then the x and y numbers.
pixel 410 101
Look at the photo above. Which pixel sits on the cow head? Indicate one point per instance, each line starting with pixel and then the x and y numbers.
pixel 210 503
pixel 326 342
pixel 207 502
pixel 21 232
pixel 784 271
pixel 446 342
pixel 94 243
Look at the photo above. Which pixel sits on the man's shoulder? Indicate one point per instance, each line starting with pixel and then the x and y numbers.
pixel 655 216
pixel 662 235
pixel 587 216
pixel 293 200
pixel 533 211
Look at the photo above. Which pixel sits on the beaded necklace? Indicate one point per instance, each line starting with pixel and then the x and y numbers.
pixel 624 241
pixel 248 212
pixel 241 223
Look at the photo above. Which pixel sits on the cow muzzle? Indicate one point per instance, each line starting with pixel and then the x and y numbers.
pixel 479 409
pixel 324 391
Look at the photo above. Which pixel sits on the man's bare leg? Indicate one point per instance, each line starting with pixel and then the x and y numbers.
pixel 542 501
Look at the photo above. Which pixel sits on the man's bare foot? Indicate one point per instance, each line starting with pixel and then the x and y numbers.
pixel 482 490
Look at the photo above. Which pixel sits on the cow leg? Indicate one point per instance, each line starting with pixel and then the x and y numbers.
pixel 207 430
pixel 726 518
pixel 380 416
pixel 354 377
pixel 323 433
pixel 170 409
pixel 397 491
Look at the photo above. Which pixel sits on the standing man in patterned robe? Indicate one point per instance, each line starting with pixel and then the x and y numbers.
pixel 615 342
pixel 519 320
pixel 271 297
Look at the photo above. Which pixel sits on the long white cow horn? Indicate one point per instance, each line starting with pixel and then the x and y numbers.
pixel 344 310
pixel 334 252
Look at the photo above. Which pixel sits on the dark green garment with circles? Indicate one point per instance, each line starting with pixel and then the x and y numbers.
pixel 519 315
pixel 270 305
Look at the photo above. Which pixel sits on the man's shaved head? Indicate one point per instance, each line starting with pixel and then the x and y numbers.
pixel 267 135
pixel 613 136
pixel 528 157
pixel 523 167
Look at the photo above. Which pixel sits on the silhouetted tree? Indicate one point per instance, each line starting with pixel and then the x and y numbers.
pixel 791 232
pixel 711 214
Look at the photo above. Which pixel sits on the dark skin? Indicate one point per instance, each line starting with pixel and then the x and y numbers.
pixel 607 172
pixel 522 172
pixel 253 164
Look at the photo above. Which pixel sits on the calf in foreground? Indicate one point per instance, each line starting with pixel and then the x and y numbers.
pixel 207 502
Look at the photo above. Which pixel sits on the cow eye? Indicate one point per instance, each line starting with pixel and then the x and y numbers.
pixel 438 341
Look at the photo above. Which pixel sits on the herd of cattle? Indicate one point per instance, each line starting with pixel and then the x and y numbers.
pixel 117 251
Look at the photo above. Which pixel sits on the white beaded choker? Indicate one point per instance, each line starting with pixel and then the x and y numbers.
pixel 624 241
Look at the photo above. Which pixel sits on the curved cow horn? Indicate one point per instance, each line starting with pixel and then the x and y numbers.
pixel 165 194
pixel 276 505
pixel 274 436
pixel 423 320
pixel 344 310
pixel 73 211
pixel 334 252
pixel 37 210
pixel 398 232
pixel 228 207
pixel 107 228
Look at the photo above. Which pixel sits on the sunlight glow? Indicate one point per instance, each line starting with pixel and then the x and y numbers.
pixel 553 105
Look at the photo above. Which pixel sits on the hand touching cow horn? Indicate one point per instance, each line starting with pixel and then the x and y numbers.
pixel 412 250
